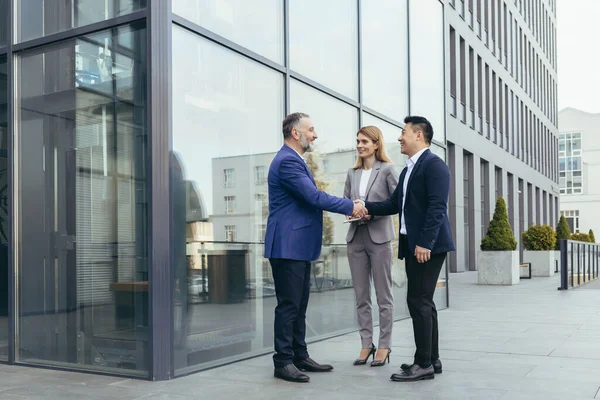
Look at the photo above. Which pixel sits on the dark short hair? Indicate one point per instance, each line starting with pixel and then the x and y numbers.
pixel 290 123
pixel 423 124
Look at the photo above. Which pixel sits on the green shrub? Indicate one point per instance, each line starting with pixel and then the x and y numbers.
pixel 563 231
pixel 592 238
pixel 539 238
pixel 581 237
pixel 499 236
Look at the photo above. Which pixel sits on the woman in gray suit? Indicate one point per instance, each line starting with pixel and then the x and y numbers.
pixel 374 177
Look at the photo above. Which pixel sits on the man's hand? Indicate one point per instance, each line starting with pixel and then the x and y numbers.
pixel 359 209
pixel 422 255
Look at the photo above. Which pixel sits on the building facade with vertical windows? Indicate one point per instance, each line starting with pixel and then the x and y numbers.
pixel 579 155
pixel 135 142
pixel 502 119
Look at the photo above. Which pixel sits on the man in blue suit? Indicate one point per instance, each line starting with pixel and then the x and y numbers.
pixel 421 199
pixel 293 239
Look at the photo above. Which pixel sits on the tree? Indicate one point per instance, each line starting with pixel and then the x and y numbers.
pixel 311 161
pixel 499 236
pixel 563 231
pixel 592 238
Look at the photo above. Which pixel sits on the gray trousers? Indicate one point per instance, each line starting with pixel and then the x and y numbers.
pixel 370 259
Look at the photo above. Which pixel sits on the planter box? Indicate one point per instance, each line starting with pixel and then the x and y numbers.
pixel 542 262
pixel 498 267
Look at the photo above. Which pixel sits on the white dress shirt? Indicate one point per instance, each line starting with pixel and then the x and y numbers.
pixel 410 164
pixel 364 181
pixel 299 155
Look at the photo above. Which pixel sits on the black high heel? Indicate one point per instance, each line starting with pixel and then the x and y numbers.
pixel 380 363
pixel 359 361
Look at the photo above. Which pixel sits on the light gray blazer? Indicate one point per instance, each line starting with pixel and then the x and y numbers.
pixel 381 186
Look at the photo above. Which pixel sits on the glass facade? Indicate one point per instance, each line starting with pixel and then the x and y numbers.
pixel 227 111
pixel 81 143
pixel 37 18
pixel 83 294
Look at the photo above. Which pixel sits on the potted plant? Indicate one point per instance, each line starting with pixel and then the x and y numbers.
pixel 592 237
pixel 539 242
pixel 498 260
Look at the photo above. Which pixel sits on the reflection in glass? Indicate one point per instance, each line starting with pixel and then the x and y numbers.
pixel 323 43
pixel 227 113
pixel 82 221
pixel 427 77
pixel 385 71
pixel 256 25
pixel 4 22
pixel 3 209
pixel 37 18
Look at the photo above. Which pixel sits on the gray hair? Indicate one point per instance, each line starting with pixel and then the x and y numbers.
pixel 290 123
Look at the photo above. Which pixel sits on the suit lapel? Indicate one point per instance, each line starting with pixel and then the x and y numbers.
pixel 356 183
pixel 416 168
pixel 401 184
pixel 374 174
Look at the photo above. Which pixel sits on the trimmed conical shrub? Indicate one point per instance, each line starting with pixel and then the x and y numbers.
pixel 563 232
pixel 499 236
pixel 592 238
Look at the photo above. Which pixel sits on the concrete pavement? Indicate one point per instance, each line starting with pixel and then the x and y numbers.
pixel 522 342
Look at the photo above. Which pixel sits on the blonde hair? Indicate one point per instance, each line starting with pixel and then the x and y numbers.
pixel 375 135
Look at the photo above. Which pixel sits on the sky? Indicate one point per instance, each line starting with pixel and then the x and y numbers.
pixel 578 52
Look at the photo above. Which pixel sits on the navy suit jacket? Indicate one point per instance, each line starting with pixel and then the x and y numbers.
pixel 425 209
pixel 295 223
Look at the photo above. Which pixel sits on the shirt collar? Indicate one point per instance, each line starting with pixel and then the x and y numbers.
pixel 413 160
pixel 296 151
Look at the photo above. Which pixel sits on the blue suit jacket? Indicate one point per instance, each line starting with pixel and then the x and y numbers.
pixel 425 209
pixel 295 224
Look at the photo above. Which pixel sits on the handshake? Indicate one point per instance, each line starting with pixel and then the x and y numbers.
pixel 360 211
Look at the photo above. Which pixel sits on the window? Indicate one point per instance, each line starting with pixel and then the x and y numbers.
pixel 260 175
pixel 92 189
pixel 256 25
pixel 230 233
pixel 262 204
pixel 485 196
pixel 427 90
pixel 229 177
pixel 472 87
pixel 229 204
pixel 498 172
pixel 323 43
pixel 463 81
pixel 572 217
pixel 453 70
pixel 570 166
pixel 480 94
pixel 384 72
pixel 38 18
pixel 261 229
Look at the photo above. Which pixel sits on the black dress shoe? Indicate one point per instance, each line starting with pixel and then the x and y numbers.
pixel 414 373
pixel 437 366
pixel 308 364
pixel 290 373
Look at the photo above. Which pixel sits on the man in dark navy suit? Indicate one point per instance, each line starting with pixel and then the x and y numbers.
pixel 293 239
pixel 421 199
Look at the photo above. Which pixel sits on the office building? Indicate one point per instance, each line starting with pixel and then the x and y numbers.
pixel 501 117
pixel 578 151
pixel 135 140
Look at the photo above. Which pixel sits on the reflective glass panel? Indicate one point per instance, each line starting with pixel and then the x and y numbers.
pixel 82 221
pixel 37 18
pixel 324 43
pixel 256 25
pixel 227 113
pixel 3 209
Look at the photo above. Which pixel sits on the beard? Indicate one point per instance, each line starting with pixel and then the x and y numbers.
pixel 305 144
